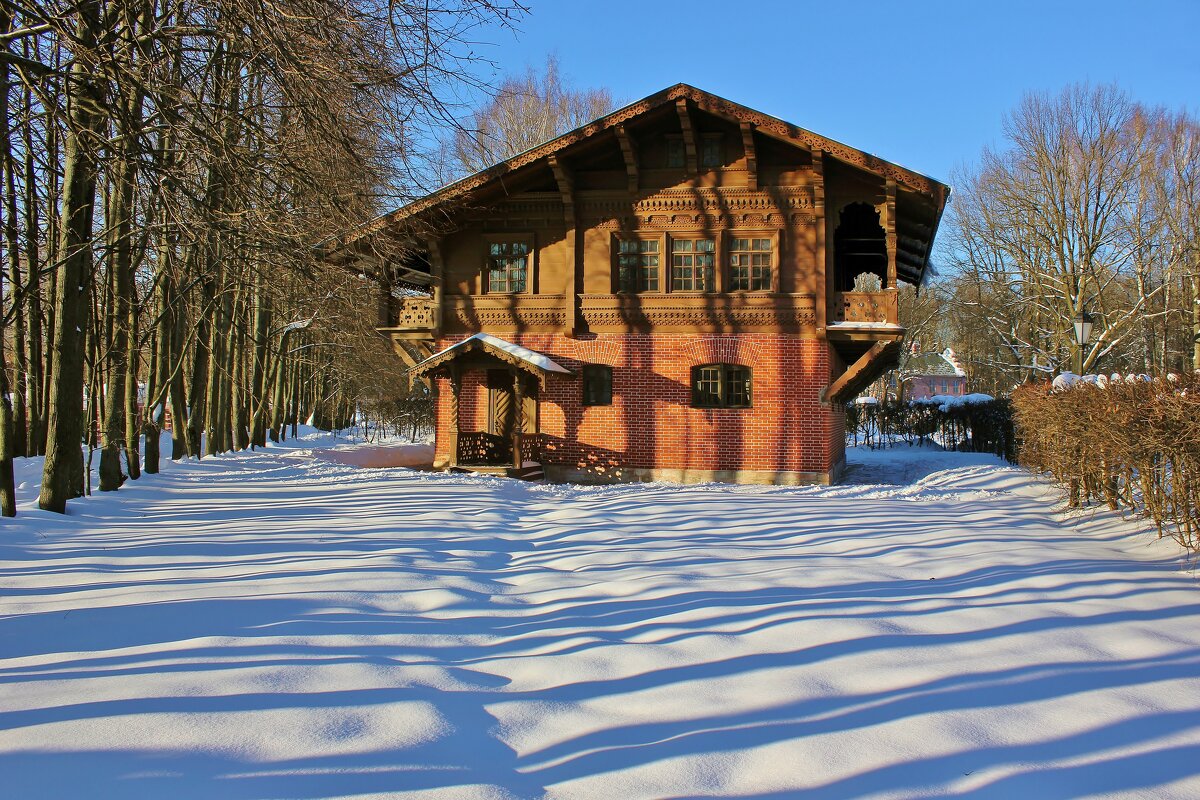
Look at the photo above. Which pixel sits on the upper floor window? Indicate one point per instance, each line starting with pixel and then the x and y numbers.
pixel 637 265
pixel 507 265
pixel 721 386
pixel 710 150
pixel 675 153
pixel 750 264
pixel 693 262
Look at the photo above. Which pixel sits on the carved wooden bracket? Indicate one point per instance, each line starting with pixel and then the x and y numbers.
pixel 566 187
pixel 689 135
pixel 751 157
pixel 629 152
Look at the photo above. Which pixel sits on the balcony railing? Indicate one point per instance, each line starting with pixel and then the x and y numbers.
pixel 411 315
pixel 867 307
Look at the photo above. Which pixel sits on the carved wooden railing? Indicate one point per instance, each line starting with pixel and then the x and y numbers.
pixel 412 314
pixel 479 448
pixel 882 306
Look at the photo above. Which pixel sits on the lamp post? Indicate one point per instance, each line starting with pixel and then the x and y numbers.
pixel 1083 333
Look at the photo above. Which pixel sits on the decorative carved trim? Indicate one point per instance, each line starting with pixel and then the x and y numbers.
pixel 680 92
pixel 507 312
pixel 703 312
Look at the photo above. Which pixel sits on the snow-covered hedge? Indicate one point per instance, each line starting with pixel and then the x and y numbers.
pixel 975 422
pixel 1130 442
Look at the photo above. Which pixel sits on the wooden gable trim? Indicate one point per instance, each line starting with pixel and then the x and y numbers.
pixel 705 101
pixel 447 362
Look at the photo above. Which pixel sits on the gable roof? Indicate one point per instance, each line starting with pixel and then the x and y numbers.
pixel 931 364
pixel 523 358
pixel 705 101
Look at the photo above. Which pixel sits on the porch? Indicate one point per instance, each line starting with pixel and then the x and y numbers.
pixel 514 377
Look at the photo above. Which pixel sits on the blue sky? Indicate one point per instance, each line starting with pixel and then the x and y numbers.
pixel 923 83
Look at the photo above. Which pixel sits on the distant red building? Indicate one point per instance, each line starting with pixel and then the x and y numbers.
pixel 925 375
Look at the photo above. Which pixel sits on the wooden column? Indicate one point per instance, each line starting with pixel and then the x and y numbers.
pixel 436 273
pixel 518 433
pixel 889 231
pixel 824 295
pixel 455 390
pixel 566 188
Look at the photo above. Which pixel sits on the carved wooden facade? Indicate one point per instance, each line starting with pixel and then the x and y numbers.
pixel 655 234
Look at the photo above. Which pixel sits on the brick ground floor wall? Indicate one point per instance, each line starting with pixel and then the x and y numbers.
pixel 651 424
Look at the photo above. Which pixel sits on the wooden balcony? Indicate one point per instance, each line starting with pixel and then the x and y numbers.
pixel 882 307
pixel 410 318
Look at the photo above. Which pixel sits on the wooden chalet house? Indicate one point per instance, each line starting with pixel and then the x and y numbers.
pixel 685 289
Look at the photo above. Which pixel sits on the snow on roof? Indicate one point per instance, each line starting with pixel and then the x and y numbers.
pixel 531 357
pixel 874 325
pixel 943 363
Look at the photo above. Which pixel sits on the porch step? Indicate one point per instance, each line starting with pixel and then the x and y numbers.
pixel 531 471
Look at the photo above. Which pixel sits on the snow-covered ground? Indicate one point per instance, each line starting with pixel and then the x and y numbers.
pixel 279 624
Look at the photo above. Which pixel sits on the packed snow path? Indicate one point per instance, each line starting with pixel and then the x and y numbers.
pixel 274 625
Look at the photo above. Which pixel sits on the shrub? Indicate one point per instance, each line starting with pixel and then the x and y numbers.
pixel 1132 443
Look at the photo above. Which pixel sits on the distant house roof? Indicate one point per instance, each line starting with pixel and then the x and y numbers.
pixel 932 364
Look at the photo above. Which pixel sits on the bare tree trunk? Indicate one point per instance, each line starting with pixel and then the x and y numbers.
pixel 63 473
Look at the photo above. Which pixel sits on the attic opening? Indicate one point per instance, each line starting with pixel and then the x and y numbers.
pixel 859 250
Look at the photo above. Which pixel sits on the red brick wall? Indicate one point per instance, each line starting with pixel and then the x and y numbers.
pixel 651 423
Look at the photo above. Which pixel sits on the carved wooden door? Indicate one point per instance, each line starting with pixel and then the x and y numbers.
pixel 501 411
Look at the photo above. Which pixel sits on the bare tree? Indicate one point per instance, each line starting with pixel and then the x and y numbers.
pixel 526 111
pixel 1070 217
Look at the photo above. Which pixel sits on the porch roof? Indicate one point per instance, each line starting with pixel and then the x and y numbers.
pixel 513 354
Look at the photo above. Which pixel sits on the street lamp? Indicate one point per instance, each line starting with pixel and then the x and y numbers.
pixel 1083 333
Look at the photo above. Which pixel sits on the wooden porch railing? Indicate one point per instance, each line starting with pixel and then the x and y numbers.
pixel 480 448
pixel 412 314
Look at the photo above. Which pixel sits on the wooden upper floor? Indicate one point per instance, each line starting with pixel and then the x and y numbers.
pixel 683 212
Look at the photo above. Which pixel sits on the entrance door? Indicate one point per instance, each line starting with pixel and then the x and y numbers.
pixel 500 403
pixel 502 413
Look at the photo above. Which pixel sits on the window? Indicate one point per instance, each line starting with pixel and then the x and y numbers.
pixel 507 266
pixel 750 265
pixel 710 150
pixel 597 385
pixel 637 265
pixel 675 154
pixel 721 386
pixel 692 264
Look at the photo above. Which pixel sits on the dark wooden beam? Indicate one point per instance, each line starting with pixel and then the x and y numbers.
pixel 566 187
pixel 689 134
pixel 751 156
pixel 859 375
pixel 629 153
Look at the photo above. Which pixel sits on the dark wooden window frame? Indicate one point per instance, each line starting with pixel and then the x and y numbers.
pixel 597 385
pixel 722 386
pixel 662 267
pixel 675 154
pixel 530 255
pixel 731 237
pixel 712 277
pixel 714 157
